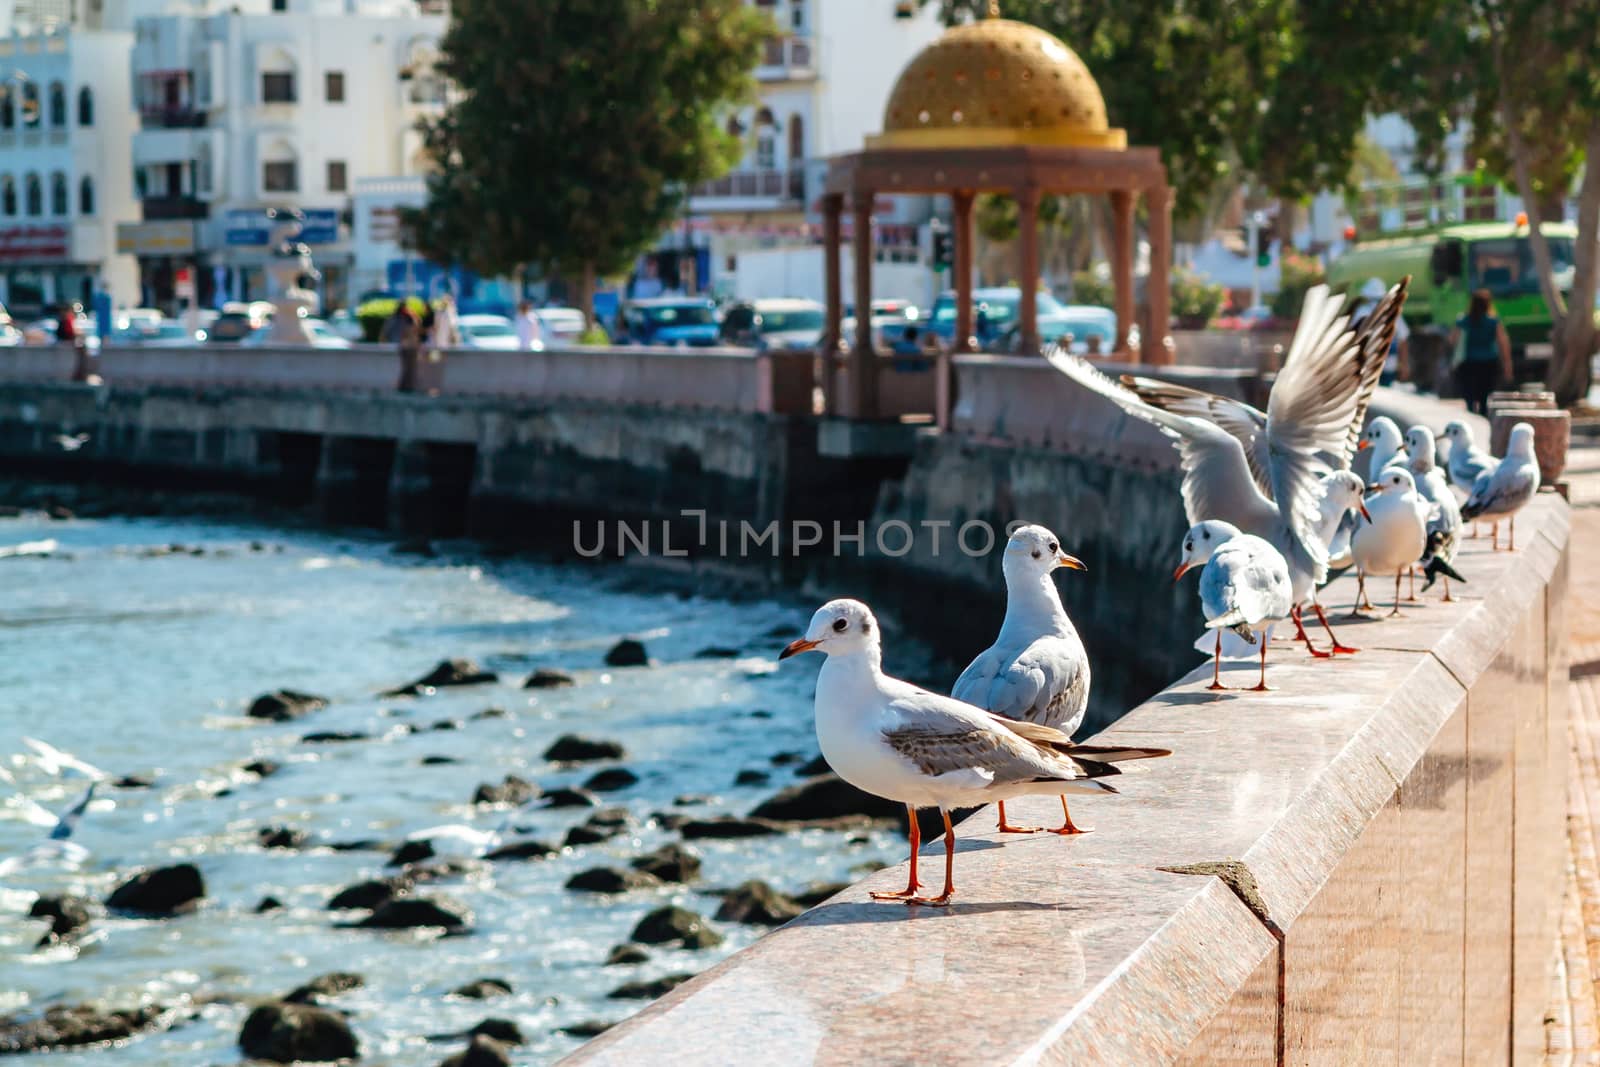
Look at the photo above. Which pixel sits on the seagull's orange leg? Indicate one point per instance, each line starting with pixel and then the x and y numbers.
pixel 1396 610
pixel 1216 666
pixel 1448 599
pixel 1411 595
pixel 1301 635
pixel 1068 827
pixel 916 846
pixel 1511 545
pixel 1261 686
pixel 1337 647
pixel 949 868
pixel 1494 528
pixel 1007 828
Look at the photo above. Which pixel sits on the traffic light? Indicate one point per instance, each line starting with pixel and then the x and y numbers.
pixel 1263 247
pixel 944 249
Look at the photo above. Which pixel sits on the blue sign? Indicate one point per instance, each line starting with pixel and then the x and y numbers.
pixel 254 229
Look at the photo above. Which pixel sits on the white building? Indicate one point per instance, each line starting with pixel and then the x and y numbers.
pixel 252 104
pixel 822 87
pixel 65 131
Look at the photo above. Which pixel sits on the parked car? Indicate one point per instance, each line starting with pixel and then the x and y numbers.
pixel 562 326
pixel 322 335
pixel 889 317
pixel 1082 321
pixel 994 311
pixel 344 323
pixel 239 321
pixel 690 322
pixel 487 331
pixel 166 333
pixel 774 325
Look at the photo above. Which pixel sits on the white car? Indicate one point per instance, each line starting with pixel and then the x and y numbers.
pixel 487 331
pixel 562 326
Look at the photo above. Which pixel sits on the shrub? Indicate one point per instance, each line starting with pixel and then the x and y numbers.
pixel 1088 287
pixel 375 312
pixel 1300 272
pixel 1195 299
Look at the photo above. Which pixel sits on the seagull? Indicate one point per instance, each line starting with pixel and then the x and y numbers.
pixel 1343 509
pixel 70 442
pixel 1503 491
pixel 53 760
pixel 890 738
pixel 1312 423
pixel 56 845
pixel 459 839
pixel 1244 588
pixel 1397 535
pixel 1037 669
pixel 1383 438
pixel 1444 528
pixel 1466 460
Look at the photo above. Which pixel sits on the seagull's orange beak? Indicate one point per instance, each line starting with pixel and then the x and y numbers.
pixel 1183 568
pixel 796 647
pixel 1365 514
pixel 1072 563
pixel 1363 445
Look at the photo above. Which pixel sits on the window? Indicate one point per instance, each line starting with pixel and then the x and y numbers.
pixel 8 196
pixel 335 86
pixel 58 105
pixel 86 196
pixel 8 113
pixel 32 196
pixel 279 177
pixel 766 149
pixel 58 195
pixel 30 105
pixel 277 87
pixel 337 179
pixel 85 106
pixel 280 6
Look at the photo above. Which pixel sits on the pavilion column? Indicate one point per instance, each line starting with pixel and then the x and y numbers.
pixel 1158 348
pixel 863 361
pixel 1122 264
pixel 1028 246
pixel 961 211
pixel 832 211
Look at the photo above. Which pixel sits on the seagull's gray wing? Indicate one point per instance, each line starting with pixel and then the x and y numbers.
pixel 1374 335
pixel 1216 480
pixel 1046 683
pixel 974 684
pixel 941 736
pixel 1246 423
pixel 1244 584
pixel 1502 491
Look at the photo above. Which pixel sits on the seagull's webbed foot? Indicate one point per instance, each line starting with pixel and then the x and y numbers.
pixel 1262 687
pixel 1068 827
pixel 1006 827
pixel 908 894
pixel 940 901
pixel 1218 687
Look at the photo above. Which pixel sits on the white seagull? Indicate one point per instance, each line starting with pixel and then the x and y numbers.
pixel 1397 535
pixel 1444 527
pixel 1384 444
pixel 1037 669
pixel 1466 461
pixel 53 760
pixel 890 738
pixel 1244 588
pixel 1344 507
pixel 56 845
pixel 1502 492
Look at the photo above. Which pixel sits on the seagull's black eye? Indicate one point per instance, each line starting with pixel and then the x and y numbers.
pixel 1205 534
pixel 841 625
pixel 1188 546
pixel 1036 553
pixel 1054 547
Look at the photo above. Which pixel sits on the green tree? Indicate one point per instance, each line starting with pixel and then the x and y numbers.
pixel 576 128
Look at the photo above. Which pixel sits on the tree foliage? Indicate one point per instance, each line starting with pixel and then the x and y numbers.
pixel 577 126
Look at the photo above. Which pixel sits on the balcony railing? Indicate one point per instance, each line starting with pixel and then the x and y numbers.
pixel 172 118
pixel 158 208
pixel 788 54
pixel 780 184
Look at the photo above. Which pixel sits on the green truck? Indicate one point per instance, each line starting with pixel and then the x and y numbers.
pixel 1446 264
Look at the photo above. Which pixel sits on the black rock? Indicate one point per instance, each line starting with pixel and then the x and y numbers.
pixel 759 904
pixel 73 1026
pixel 784 759
pixel 520 850
pixel 813 895
pixel 584 834
pixel 782 630
pixel 330 737
pixel 717 652
pixel 405 913
pixel 134 781
pixel 610 780
pixel 484 1051
pixel 269 903
pixel 281 705
pixel 587 1029
pixel 826 796
pixel 434 761
pixel 443 871
pixel 622 955
pixel 450 672
pixel 670 863
pixel 611 880
pixel 288 1033
pixel 325 986
pixel 411 852
pixel 359 844
pixel 262 768
pixel 616 818
pixel 726 826
pixel 514 790
pixel 67 914
pixel 675 926
pixel 447 724
pixel 281 837
pixel 571 798
pixel 570 748
pixel 627 653
pixel 692 800
pixel 370 894
pixel 490 713
pixel 548 679
pixel 160 893
pixel 482 989
pixel 60 512
pixel 502 1030
pixel 670 820
pixel 813 767
pixel 761 713
pixel 648 990
pixel 751 777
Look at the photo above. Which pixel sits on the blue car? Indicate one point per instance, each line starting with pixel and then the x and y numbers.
pixel 676 322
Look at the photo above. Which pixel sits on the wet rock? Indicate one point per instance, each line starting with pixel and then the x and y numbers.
pixel 584 834
pixel 670 820
pixel 443 871
pixel 60 512
pixel 726 826
pixel 570 748
pixel 160 893
pixel 520 850
pixel 262 768
pixel 483 989
pixel 134 781
pixel 67 915
pixel 648 990
pixel 813 895
pixel 757 903
pixel 281 705
pixel 628 653
pixel 624 955
pixel 813 767
pixel 611 880
pixel 281 837
pixel 675 926
pixel 325 986
pixel 269 903
pixel 784 759
pixel 289 1033
pixel 587 1029
pixel 549 679
pixel 484 1051
pixel 610 780
pixel 750 777
pixel 359 844
pixel 693 800
pixel 514 790
pixel 502 1030
pixel 446 724
pixel 370 894
pixel 490 713
pixel 670 863
pixel 333 737
pixel 616 818
pixel 406 913
pixel 571 798
pixel 411 852
pixel 783 630
pixel 416 546
pixel 826 796
pixel 450 672
pixel 761 713
pixel 73 1026
pixel 717 652
pixel 435 761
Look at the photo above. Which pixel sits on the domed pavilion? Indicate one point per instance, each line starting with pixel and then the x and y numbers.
pixel 1003 107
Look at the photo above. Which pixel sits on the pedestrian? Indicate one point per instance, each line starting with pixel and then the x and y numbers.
pixel 445 329
pixel 1397 364
pixel 1481 352
pixel 401 330
pixel 530 331
pixel 67 334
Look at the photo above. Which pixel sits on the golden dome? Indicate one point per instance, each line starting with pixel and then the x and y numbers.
pixel 996 82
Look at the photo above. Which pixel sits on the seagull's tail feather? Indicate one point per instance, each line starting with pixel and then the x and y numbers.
pixel 1077 785
pixel 1110 753
pixel 1436 567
